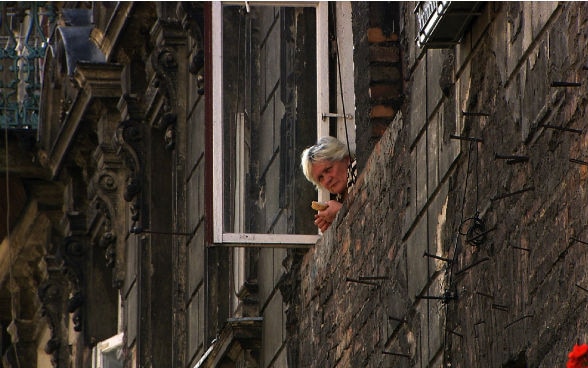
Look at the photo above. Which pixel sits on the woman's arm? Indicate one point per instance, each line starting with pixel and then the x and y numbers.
pixel 324 219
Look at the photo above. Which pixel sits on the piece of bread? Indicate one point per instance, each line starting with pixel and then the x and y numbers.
pixel 319 206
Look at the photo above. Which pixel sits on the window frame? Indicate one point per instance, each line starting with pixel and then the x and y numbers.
pixel 221 236
pixel 105 346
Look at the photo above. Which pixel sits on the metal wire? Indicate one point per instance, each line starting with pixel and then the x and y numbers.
pixel 341 89
pixel 14 338
pixel 9 242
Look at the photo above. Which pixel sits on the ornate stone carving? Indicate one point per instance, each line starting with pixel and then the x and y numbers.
pixel 72 254
pixel 128 138
pixel 106 190
pixel 166 68
pixel 192 17
pixel 50 294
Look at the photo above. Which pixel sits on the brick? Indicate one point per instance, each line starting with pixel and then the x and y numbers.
pixel 384 91
pixel 376 35
pixel 382 111
pixel 384 54
pixel 385 73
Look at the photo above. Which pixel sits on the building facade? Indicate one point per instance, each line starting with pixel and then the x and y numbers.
pixel 156 214
pixel 463 244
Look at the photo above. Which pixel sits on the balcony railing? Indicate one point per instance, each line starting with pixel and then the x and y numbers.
pixel 442 24
pixel 25 28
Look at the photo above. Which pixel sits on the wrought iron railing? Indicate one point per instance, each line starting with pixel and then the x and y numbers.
pixel 25 28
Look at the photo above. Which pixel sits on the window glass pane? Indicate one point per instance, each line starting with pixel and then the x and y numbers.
pixel 269 117
pixel 112 358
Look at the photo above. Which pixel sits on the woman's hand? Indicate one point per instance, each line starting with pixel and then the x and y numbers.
pixel 324 219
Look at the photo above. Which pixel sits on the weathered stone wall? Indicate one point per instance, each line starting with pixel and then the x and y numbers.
pixel 369 298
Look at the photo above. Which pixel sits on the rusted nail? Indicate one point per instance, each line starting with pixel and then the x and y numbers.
pixel 579 241
pixel 471 139
pixel 401 320
pixel 502 196
pixel 517 320
pixel 576 161
pixel 426 254
pixel 472 265
pixel 349 279
pixel 511 159
pixel 484 294
pixel 364 278
pixel 565 84
pixel 564 129
pixel 499 307
pixel 453 332
pixel 468 113
pixel 445 298
pixel 396 354
pixel 521 248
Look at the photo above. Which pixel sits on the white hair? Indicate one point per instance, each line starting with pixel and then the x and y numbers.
pixel 326 149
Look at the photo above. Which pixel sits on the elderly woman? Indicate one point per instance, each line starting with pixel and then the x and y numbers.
pixel 329 165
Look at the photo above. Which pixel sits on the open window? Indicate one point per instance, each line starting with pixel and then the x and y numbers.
pixel 108 353
pixel 271 98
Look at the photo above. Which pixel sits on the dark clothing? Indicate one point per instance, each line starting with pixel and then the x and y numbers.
pixel 351 178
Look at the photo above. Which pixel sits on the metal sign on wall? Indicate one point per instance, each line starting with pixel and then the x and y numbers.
pixel 442 24
pixel 25 28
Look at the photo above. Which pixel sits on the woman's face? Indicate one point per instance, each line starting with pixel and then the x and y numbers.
pixel 331 175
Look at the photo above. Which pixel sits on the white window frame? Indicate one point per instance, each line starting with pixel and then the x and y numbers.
pixel 222 236
pixel 103 347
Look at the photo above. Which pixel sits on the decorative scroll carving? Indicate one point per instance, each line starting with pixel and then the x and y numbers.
pixel 105 190
pixel 107 240
pixel 50 294
pixel 72 254
pixel 128 138
pixel 193 23
pixel 166 69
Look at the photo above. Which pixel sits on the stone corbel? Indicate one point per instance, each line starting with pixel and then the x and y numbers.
pixel 48 294
pixel 192 16
pixel 105 189
pixel 72 254
pixel 164 61
pixel 128 140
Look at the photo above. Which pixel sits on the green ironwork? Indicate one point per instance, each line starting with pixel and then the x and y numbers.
pixel 24 34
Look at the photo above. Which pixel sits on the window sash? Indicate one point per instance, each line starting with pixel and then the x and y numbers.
pixel 105 347
pixel 226 237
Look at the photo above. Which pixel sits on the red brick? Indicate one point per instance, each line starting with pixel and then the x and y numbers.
pixel 375 35
pixel 382 73
pixel 384 54
pixel 384 91
pixel 382 111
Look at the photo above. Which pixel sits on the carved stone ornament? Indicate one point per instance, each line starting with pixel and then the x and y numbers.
pixel 73 251
pixel 166 78
pixel 107 182
pixel 50 295
pixel 128 142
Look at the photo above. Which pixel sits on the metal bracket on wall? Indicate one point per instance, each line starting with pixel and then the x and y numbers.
pixel 511 159
pixel 327 115
pixel 563 129
pixel 367 280
pixel 139 230
pixel 565 84
pixel 507 195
